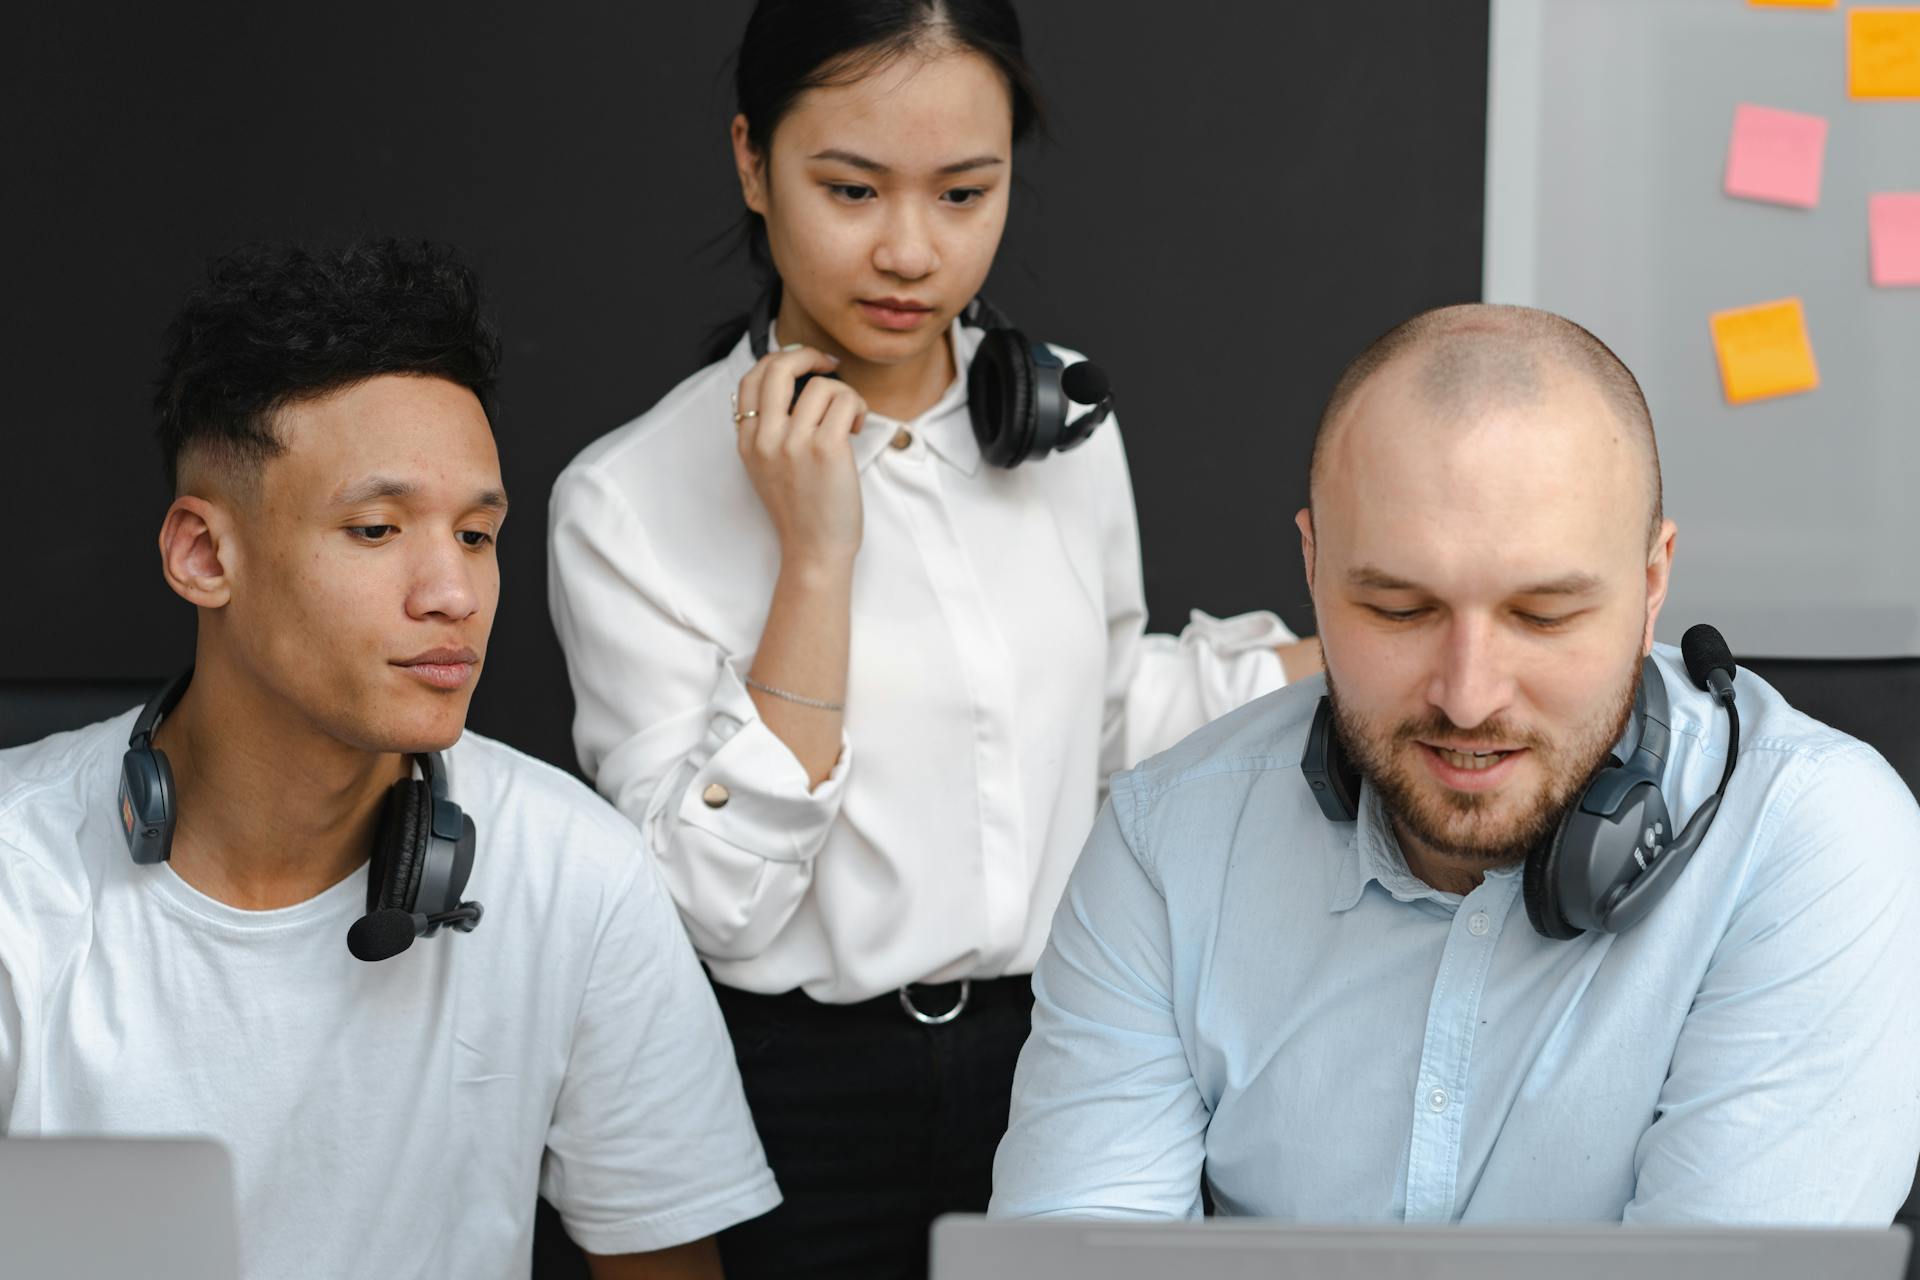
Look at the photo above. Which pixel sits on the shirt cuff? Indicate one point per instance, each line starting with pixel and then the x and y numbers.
pixel 752 792
pixel 1212 667
pixel 1236 655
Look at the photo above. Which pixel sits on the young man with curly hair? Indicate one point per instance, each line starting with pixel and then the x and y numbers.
pixel 180 963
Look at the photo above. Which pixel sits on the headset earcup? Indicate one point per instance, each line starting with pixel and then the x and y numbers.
pixel 1000 397
pixel 1540 887
pixel 399 845
pixel 146 804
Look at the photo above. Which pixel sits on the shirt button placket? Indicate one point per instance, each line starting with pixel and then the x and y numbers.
pixel 1446 1061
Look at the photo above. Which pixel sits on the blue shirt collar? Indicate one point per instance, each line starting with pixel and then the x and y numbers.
pixel 1374 853
pixel 1374 856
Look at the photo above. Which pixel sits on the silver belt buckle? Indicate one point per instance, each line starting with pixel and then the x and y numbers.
pixel 935 1019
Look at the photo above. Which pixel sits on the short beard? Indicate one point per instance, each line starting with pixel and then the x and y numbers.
pixel 1461 825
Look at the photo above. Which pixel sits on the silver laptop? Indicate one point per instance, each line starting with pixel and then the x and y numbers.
pixel 93 1208
pixel 969 1247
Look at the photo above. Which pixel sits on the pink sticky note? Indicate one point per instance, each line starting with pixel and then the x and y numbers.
pixel 1776 155
pixel 1893 221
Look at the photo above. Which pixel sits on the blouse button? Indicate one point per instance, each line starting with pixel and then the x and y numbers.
pixel 901 438
pixel 715 796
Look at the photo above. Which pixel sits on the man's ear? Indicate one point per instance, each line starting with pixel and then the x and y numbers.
pixel 1304 522
pixel 1659 577
pixel 197 552
pixel 751 166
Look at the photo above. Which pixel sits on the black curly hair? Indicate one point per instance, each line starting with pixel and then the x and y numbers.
pixel 274 324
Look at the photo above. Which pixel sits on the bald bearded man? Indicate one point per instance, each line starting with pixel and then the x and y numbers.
pixel 1336 1021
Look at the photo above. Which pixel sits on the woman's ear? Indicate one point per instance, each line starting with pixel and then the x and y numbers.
pixel 751 166
pixel 195 550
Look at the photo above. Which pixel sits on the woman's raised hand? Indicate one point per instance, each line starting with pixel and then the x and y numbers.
pixel 800 459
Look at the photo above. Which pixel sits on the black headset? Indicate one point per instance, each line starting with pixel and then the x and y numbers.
pixel 1615 853
pixel 1019 393
pixel 422 848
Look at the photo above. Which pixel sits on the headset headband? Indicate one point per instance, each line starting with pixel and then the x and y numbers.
pixel 159 706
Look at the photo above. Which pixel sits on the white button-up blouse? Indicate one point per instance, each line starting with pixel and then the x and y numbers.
pixel 998 673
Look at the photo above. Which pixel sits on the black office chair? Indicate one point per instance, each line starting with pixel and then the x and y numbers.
pixel 32 709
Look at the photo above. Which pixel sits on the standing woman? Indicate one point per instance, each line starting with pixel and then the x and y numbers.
pixel 859 685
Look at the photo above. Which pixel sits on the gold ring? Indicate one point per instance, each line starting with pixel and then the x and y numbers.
pixel 744 414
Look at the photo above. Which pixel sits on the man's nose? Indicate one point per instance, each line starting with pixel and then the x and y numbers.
pixel 1472 681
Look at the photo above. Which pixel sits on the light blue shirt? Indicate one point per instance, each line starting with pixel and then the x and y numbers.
pixel 1239 989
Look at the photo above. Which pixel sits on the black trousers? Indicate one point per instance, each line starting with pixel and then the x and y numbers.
pixel 874 1123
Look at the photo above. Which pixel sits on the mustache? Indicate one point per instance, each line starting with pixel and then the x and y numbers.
pixel 1436 728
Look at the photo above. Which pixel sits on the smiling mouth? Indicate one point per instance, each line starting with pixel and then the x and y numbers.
pixel 1471 761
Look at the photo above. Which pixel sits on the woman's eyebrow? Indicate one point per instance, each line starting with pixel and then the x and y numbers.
pixel 855 160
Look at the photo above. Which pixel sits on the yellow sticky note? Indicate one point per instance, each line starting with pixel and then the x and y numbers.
pixel 1883 53
pixel 1792 4
pixel 1764 351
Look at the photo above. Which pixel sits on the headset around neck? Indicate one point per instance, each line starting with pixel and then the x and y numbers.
pixel 1615 853
pixel 422 852
pixel 1020 395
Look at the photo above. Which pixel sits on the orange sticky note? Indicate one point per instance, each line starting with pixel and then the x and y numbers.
pixel 1764 351
pixel 1883 53
pixel 1792 4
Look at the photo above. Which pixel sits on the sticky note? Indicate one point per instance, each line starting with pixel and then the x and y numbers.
pixel 1776 156
pixel 1792 4
pixel 1764 351
pixel 1893 222
pixel 1883 53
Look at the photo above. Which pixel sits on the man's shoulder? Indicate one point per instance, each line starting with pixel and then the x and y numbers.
pixel 539 816
pixel 50 789
pixel 485 773
pixel 58 755
pixel 1194 794
pixel 1265 736
pixel 1807 806
pixel 56 799
pixel 1791 749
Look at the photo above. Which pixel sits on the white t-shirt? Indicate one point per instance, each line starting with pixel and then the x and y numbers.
pixel 396 1118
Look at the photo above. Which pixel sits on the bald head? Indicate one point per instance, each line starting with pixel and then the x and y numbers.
pixel 1462 363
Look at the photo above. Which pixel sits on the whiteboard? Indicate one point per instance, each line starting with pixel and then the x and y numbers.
pixel 1607 130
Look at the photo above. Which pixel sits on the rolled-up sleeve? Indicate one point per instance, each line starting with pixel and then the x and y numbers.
pixel 666 731
pixel 1160 688
pixel 1211 667
pixel 1107 1119
pixel 1791 1095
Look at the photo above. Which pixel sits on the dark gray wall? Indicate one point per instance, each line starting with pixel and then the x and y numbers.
pixel 1236 197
